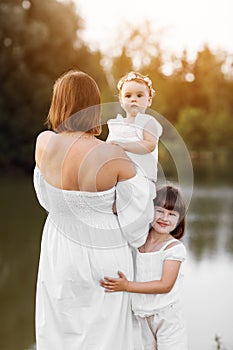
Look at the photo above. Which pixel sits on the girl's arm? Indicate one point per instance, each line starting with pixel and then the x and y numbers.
pixel 144 146
pixel 164 285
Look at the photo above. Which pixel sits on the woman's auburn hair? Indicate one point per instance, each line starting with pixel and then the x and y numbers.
pixel 75 104
pixel 169 197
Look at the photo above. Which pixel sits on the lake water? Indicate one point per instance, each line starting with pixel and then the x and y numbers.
pixel 208 289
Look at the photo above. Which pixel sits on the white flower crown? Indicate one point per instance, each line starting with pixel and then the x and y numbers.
pixel 133 76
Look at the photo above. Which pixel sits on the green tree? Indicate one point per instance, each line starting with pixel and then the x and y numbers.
pixel 138 50
pixel 39 41
pixel 193 126
pixel 209 86
pixel 220 133
pixel 121 65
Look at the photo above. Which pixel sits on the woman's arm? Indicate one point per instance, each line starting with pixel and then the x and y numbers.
pixel 164 285
pixel 117 165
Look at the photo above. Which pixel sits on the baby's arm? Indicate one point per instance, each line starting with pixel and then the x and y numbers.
pixel 144 146
pixel 164 285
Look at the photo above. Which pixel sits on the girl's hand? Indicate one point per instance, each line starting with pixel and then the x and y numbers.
pixel 115 284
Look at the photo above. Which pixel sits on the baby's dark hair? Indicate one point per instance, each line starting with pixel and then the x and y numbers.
pixel 169 197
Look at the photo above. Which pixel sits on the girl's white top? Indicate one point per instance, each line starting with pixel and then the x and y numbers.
pixel 82 242
pixel 149 267
pixel 120 130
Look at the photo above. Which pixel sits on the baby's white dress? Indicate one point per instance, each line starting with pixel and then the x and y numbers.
pixel 82 242
pixel 120 130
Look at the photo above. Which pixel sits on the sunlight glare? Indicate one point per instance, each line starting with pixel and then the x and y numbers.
pixel 186 24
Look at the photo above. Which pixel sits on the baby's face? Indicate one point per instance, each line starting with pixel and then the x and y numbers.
pixel 134 98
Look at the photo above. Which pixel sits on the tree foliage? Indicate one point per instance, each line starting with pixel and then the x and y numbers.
pixel 42 39
pixel 39 41
pixel 193 124
pixel 196 96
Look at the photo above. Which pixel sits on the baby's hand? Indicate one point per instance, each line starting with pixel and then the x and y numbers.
pixel 116 143
pixel 115 284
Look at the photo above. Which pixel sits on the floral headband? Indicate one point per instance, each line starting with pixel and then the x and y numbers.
pixel 133 76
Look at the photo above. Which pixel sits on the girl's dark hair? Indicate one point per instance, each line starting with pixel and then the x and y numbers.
pixel 169 197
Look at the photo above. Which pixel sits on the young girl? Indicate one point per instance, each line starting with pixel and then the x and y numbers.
pixel 156 301
pixel 138 134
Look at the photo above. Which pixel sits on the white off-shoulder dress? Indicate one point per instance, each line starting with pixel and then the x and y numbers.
pixel 82 242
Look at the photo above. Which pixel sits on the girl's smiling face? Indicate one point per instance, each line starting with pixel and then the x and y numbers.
pixel 134 98
pixel 165 221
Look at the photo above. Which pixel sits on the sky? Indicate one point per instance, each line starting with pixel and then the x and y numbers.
pixel 185 23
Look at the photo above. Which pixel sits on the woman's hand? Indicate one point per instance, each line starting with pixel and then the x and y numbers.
pixel 115 284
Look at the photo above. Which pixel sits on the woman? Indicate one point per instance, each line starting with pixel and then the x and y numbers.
pixel 78 180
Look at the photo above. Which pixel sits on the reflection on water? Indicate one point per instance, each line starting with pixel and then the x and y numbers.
pixel 208 286
pixel 21 222
pixel 208 303
pixel 209 283
pixel 210 222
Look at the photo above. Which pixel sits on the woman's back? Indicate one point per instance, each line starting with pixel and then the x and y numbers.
pixel 81 162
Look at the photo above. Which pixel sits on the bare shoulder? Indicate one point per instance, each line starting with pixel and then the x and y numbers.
pixel 41 144
pixel 177 243
pixel 116 159
pixel 115 151
pixel 108 151
pixel 44 137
